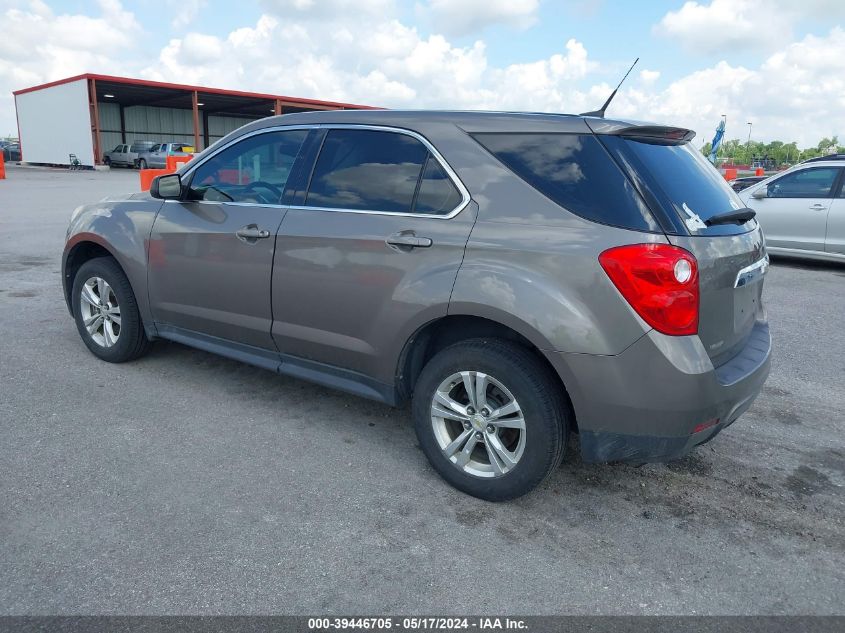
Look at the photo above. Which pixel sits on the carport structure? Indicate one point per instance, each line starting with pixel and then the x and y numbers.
pixel 54 118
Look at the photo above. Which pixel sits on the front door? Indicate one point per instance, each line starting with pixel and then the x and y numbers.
pixel 835 238
pixel 211 254
pixel 794 212
pixel 370 253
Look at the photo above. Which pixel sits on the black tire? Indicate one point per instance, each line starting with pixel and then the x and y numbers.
pixel 107 161
pixel 142 164
pixel 544 407
pixel 132 341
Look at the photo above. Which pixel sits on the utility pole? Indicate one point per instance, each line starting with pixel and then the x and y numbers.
pixel 748 144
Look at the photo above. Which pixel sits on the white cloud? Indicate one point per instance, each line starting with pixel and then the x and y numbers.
pixel 39 45
pixel 649 76
pixel 461 17
pixel 725 26
pixel 797 93
pixel 185 11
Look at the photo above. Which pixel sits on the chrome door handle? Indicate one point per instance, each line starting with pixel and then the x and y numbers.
pixel 818 207
pixel 409 240
pixel 251 233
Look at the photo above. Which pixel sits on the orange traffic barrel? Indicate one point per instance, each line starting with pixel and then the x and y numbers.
pixel 174 161
pixel 759 172
pixel 730 173
pixel 2 167
pixel 147 176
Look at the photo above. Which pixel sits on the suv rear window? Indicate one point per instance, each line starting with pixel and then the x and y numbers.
pixel 682 181
pixel 576 172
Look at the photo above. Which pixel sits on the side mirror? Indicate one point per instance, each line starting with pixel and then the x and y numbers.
pixel 167 187
pixel 762 192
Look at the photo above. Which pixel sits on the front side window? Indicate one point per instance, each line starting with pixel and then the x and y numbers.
pixel 815 182
pixel 255 169
pixel 574 171
pixel 367 170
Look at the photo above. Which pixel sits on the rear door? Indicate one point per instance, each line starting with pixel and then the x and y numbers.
pixel 369 251
pixel 211 254
pixel 731 257
pixel 794 210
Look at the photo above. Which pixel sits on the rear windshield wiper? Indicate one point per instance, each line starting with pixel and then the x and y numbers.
pixel 734 216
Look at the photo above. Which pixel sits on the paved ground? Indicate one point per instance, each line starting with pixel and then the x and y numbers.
pixel 186 483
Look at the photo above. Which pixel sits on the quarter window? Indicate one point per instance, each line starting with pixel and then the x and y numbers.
pixel 253 170
pixel 807 183
pixel 437 194
pixel 367 170
pixel 574 171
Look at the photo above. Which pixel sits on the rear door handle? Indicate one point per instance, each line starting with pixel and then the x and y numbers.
pixel 251 233
pixel 409 240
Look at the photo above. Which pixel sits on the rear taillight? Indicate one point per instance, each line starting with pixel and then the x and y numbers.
pixel 659 281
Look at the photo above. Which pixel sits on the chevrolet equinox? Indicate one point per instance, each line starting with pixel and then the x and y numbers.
pixel 514 277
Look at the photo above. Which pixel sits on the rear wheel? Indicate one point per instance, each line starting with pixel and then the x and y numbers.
pixel 490 418
pixel 142 164
pixel 106 312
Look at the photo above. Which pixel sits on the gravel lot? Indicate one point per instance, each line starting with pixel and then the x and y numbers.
pixel 185 483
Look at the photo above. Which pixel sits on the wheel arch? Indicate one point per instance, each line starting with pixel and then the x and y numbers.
pixel 439 333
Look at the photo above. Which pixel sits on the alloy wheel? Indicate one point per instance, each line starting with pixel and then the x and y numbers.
pixel 100 311
pixel 478 424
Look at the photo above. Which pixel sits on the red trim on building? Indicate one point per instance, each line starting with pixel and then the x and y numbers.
pixel 189 88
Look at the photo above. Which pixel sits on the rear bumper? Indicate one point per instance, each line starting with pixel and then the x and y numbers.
pixel 662 396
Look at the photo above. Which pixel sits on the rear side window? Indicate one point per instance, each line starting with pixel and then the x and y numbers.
pixel 576 172
pixel 815 182
pixel 367 170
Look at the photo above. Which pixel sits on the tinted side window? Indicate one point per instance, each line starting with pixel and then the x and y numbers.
pixel 367 170
pixel 255 169
pixel 807 183
pixel 576 172
pixel 437 194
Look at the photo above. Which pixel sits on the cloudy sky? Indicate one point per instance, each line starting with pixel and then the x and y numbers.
pixel 778 63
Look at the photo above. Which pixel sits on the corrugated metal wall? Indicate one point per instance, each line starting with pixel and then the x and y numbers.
pixel 164 125
pixel 109 125
pixel 220 126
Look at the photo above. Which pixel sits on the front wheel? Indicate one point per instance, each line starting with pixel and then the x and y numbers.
pixel 491 418
pixel 142 164
pixel 106 312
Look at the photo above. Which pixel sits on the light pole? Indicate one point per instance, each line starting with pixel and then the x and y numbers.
pixel 748 144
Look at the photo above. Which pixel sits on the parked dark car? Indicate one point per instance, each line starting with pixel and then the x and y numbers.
pixel 515 278
pixel 738 184
pixel 12 152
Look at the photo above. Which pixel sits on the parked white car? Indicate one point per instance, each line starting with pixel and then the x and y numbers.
pixel 802 210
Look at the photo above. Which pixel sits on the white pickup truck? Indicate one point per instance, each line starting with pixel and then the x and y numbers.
pixel 125 155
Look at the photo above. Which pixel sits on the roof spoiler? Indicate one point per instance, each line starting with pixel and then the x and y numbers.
pixel 656 134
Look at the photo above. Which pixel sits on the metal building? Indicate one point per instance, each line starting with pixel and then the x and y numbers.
pixel 89 114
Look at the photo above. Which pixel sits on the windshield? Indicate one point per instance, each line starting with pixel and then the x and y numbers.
pixel 682 182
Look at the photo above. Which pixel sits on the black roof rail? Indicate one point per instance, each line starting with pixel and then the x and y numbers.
pixel 829 157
